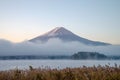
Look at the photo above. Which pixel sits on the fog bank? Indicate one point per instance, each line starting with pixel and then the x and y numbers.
pixel 53 47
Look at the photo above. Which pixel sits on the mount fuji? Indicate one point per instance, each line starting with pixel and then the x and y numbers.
pixel 65 36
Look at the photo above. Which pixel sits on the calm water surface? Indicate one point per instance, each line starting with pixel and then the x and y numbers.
pixel 24 64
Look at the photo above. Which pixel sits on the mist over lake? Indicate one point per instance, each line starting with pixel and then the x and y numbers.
pixel 59 64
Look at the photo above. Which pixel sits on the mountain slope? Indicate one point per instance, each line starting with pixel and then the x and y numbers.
pixel 65 35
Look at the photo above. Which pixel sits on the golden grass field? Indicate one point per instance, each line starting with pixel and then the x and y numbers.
pixel 82 73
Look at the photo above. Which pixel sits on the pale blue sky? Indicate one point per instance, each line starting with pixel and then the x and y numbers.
pixel 97 20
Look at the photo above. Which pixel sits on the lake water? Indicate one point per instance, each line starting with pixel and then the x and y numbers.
pixel 24 64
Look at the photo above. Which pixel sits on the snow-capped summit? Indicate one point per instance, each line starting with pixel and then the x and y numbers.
pixel 58 31
pixel 66 36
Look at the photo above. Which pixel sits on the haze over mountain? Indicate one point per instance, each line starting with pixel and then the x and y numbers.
pixel 53 47
pixel 58 41
pixel 66 36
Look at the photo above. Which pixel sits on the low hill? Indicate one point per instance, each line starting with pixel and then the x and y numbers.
pixel 88 55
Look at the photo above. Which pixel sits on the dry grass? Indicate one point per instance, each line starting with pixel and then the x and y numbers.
pixel 81 73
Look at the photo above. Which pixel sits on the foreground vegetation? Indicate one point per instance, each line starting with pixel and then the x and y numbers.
pixel 81 73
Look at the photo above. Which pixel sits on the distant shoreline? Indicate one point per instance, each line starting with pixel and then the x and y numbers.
pixel 76 56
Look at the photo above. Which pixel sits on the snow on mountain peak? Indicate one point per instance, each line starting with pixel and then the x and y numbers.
pixel 65 35
pixel 58 31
